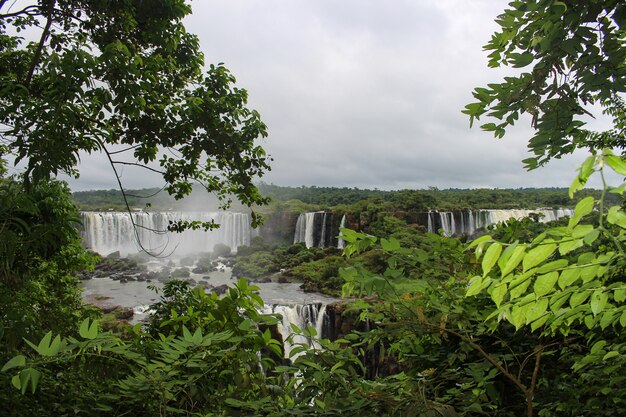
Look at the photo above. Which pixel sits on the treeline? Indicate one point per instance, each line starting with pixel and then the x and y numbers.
pixel 309 198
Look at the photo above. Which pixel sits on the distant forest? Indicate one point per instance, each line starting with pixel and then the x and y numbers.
pixel 315 198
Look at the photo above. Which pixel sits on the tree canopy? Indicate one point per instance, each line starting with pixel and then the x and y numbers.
pixel 124 78
pixel 577 50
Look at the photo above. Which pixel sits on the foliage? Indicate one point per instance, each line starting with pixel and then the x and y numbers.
pixel 578 55
pixel 40 253
pixel 124 78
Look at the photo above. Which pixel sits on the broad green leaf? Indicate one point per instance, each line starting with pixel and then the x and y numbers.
pixel 498 293
pixel 557 301
pixel 187 336
pixel 44 345
pixel 519 286
pixel 622 319
pixel 478 241
pixel 477 284
pixel 491 257
pixel 536 310
pixel 14 362
pixel 590 322
pixel 537 255
pixel 544 283
pixel 616 163
pixel 607 319
pixel 552 266
pixel 589 272
pixel 539 322
pixel 566 246
pixel 197 336
pixel 568 277
pixel 611 354
pixel 390 245
pixel 597 347
pixel 582 230
pixel 591 237
pixel 598 301
pixel 578 298
pixel 518 316
pixel 521 60
pixel 88 331
pixel 35 376
pixel 516 257
pixel 616 216
pixel 584 207
pixel 619 295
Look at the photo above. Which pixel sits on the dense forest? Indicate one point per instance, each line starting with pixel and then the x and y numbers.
pixel 526 319
pixel 309 198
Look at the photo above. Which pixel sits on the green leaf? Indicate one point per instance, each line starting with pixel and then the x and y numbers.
pixel 516 257
pixel 88 331
pixel 610 355
pixel 537 255
pixel 536 310
pixel 566 246
pixel 478 241
pixel 619 295
pixel 584 207
pixel 544 283
pixel 498 293
pixel 197 336
pixel 568 277
pixel 552 266
pixel 622 319
pixel 390 245
pixel 616 216
pixel 598 301
pixel 491 257
pixel 606 320
pixel 521 60
pixel 477 284
pixel 578 298
pixel 616 163
pixel 14 362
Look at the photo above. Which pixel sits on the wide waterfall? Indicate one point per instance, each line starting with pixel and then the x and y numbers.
pixel 468 221
pixel 315 229
pixel 106 232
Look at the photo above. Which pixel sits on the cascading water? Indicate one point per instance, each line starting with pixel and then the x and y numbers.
pixel 106 232
pixel 302 316
pixel 341 244
pixel 468 221
pixel 315 229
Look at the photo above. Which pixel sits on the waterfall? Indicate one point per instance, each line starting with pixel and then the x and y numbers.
pixel 468 221
pixel 341 244
pixel 314 229
pixel 302 316
pixel 106 232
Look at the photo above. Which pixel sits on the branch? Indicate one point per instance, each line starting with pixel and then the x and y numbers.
pixel 132 164
pixel 25 10
pixel 42 41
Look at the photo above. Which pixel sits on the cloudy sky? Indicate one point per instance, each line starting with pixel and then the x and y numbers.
pixel 364 93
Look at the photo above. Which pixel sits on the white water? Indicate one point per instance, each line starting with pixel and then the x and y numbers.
pixel 341 244
pixel 106 232
pixel 472 220
pixel 302 316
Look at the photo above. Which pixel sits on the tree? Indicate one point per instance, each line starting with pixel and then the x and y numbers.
pixel 577 50
pixel 126 79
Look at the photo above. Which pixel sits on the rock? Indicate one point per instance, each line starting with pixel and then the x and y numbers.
pixel 123 313
pixel 220 289
pixel 265 280
pixel 114 255
pixel 192 282
pixel 283 280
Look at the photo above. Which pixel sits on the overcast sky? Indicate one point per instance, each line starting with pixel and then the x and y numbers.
pixel 364 93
